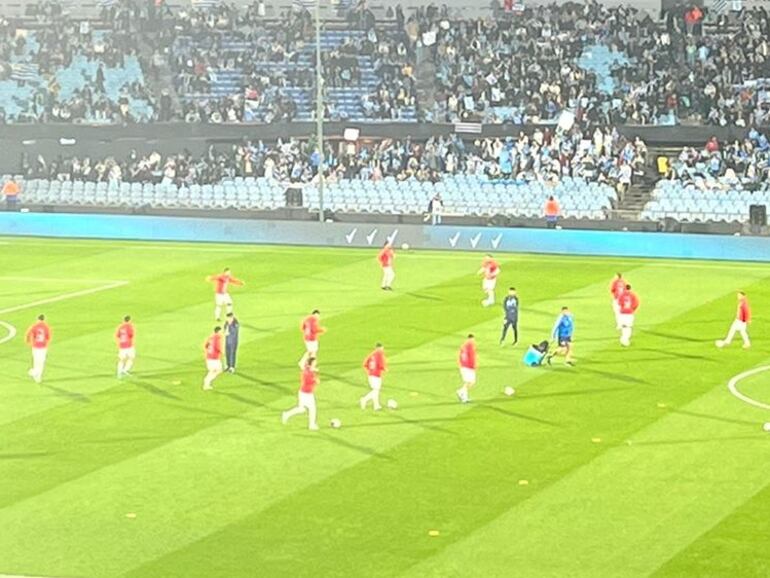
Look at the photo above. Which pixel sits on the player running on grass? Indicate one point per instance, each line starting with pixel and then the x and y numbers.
pixel 740 324
pixel 213 350
pixel 311 330
pixel 468 362
pixel 617 286
pixel 124 336
pixel 490 270
pixel 374 365
pixel 306 396
pixel 628 303
pixel 386 257
pixel 38 337
pixel 221 294
pixel 562 333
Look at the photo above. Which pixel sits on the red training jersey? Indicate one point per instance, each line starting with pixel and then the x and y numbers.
pixel 617 288
pixel 222 282
pixel 491 269
pixel 214 346
pixel 308 380
pixel 39 335
pixel 125 335
pixel 628 302
pixel 386 256
pixel 468 355
pixel 375 364
pixel 744 311
pixel 311 329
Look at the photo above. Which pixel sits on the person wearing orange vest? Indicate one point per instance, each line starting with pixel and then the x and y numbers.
pixel 11 192
pixel 552 212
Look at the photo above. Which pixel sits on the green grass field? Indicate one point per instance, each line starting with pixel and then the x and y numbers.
pixel 637 462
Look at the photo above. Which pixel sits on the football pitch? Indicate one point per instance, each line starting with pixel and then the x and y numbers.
pixel 636 462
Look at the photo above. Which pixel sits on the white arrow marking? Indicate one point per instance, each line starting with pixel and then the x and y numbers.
pixel 370 237
pixel 475 240
pixel 496 241
pixel 393 236
pixel 453 240
pixel 350 236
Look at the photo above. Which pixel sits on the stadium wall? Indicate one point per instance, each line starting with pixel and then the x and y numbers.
pixel 482 239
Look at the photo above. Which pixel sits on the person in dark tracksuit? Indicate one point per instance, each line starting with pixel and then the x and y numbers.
pixel 232 327
pixel 511 308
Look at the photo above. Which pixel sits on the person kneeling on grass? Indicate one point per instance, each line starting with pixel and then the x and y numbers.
pixel 536 354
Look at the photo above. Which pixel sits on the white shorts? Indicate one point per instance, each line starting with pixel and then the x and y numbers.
pixel 468 375
pixel 214 364
pixel 626 319
pixel 375 382
pixel 489 284
pixel 311 347
pixel 39 354
pixel 127 352
pixel 306 400
pixel 223 299
pixel 739 325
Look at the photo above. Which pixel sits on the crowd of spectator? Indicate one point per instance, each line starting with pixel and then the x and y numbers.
pixel 719 165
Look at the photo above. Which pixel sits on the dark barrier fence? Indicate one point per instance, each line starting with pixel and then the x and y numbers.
pixel 167 138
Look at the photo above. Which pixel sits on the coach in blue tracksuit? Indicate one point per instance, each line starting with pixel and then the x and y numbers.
pixel 511 309
pixel 232 328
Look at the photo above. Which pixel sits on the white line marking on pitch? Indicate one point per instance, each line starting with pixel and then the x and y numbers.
pixel 11 334
pixel 63 297
pixel 59 280
pixel 25 576
pixel 733 386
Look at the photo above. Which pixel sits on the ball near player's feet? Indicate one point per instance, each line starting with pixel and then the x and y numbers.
pixel 392 404
pixel 766 426
pixel 405 246
pixel 509 391
pixel 335 423
pixel 719 343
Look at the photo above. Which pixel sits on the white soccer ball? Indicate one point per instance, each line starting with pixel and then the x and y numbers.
pixel 392 404
pixel 335 423
pixel 405 246
pixel 766 426
pixel 509 391
pixel 719 343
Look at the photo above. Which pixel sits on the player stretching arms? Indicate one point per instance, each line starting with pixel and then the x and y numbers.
pixel 213 350
pixel 490 269
pixel 562 333
pixel 38 337
pixel 306 396
pixel 511 309
pixel 467 368
pixel 126 350
pixel 386 256
pixel 628 303
pixel 221 295
pixel 617 286
pixel 311 329
pixel 741 323
pixel 374 365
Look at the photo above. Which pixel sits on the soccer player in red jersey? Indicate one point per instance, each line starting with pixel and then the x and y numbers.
pixel 740 324
pixel 306 396
pixel 617 286
pixel 213 350
pixel 628 303
pixel 38 338
pixel 467 362
pixel 490 270
pixel 374 365
pixel 126 350
pixel 386 257
pixel 221 294
pixel 311 330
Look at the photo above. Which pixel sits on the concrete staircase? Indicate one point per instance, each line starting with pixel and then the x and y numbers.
pixel 425 74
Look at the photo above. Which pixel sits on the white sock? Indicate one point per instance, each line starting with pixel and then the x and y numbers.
pixel 127 365
pixel 294 411
pixel 217 312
